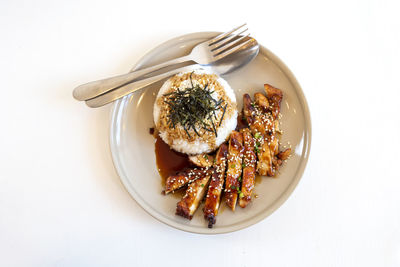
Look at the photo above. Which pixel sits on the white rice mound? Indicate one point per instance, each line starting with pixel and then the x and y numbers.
pixel 199 146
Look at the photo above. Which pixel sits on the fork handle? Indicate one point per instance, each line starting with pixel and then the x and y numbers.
pixel 96 88
pixel 134 86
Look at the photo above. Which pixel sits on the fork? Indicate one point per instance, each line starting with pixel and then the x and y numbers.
pixel 203 54
pixel 245 54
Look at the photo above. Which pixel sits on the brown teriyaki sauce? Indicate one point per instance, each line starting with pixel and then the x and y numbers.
pixel 241 122
pixel 169 162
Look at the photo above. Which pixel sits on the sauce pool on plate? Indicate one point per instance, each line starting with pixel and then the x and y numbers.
pixel 169 161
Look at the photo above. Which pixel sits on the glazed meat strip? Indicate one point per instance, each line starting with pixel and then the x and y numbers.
pixel 250 113
pixel 269 144
pixel 202 160
pixel 282 156
pixel 274 96
pixel 234 169
pixel 216 185
pixel 248 109
pixel 274 141
pixel 174 182
pixel 249 168
pixel 193 196
pixel 271 123
pixel 262 106
pixel 262 102
pixel 255 119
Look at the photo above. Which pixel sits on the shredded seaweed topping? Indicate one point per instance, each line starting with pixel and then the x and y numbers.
pixel 194 108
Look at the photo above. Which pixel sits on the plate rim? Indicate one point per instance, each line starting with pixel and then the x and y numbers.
pixel 255 219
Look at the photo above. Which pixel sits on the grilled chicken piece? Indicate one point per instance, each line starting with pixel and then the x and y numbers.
pixel 183 178
pixel 283 155
pixel 234 169
pixel 249 168
pixel 274 96
pixel 257 123
pixel 193 196
pixel 271 125
pixel 262 104
pixel 264 164
pixel 215 188
pixel 248 109
pixel 251 114
pixel 202 160
pixel 261 101
pixel 274 143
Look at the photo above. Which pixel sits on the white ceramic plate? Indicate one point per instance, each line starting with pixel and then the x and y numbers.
pixel 132 146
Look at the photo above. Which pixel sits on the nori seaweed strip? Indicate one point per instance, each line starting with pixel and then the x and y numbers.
pixel 215 130
pixel 223 114
pixel 191 108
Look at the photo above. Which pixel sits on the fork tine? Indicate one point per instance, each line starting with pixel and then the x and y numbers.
pixel 226 40
pixel 233 49
pixel 229 44
pixel 223 35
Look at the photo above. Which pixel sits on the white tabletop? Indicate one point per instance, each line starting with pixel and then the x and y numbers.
pixel 61 201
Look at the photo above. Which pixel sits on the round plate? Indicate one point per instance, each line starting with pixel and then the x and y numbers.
pixel 132 146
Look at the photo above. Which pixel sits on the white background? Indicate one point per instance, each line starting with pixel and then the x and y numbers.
pixel 61 202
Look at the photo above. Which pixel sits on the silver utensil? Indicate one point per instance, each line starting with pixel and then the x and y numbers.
pixel 232 61
pixel 204 53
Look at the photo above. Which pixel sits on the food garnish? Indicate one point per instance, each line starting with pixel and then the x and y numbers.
pixel 194 108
